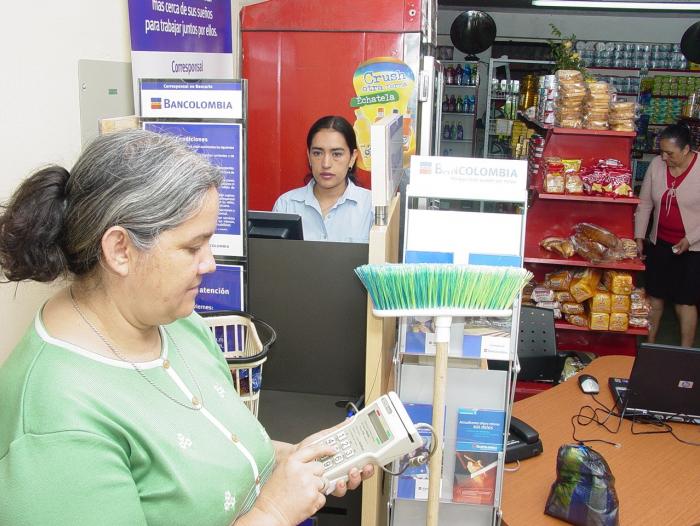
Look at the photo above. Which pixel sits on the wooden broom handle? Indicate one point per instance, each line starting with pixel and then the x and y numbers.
pixel 439 383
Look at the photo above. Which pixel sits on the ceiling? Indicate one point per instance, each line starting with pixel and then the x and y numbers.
pixel 526 4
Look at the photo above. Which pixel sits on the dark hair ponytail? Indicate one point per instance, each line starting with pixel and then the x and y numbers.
pixel 679 133
pixel 31 226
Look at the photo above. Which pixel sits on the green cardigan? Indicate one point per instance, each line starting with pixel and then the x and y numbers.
pixel 85 440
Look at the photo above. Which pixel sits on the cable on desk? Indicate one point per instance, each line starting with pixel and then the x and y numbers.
pixel 512 470
pixel 599 417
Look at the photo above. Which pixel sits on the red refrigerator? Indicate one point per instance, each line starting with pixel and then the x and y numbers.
pixel 300 57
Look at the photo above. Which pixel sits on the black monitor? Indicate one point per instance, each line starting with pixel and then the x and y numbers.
pixel 274 225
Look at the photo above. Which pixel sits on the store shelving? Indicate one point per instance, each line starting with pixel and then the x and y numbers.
pixel 556 215
pixel 465 148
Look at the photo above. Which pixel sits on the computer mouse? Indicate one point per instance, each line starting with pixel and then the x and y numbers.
pixel 588 384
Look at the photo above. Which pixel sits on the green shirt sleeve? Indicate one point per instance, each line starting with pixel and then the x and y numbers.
pixel 65 479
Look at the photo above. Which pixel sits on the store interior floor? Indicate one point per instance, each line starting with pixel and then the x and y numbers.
pixel 669 332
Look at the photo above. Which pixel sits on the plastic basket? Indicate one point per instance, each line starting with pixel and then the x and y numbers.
pixel 244 341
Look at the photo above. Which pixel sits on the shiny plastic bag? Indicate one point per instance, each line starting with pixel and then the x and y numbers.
pixel 584 492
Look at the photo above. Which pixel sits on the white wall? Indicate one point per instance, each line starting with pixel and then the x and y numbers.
pixel 42 42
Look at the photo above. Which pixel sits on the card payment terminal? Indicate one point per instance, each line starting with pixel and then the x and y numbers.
pixel 379 434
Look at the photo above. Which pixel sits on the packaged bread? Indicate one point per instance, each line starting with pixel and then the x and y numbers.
pixel 600 302
pixel 559 280
pixel 638 294
pixel 568 75
pixel 585 285
pixel 540 294
pixel 598 321
pixel 638 321
pixel 619 321
pixel 551 305
pixel 588 249
pixel 576 319
pixel 598 233
pixel 640 308
pixel 573 184
pixel 598 86
pixel 562 246
pixel 572 308
pixel 618 282
pixel 629 248
pixel 554 183
pixel 620 303
pixel 563 296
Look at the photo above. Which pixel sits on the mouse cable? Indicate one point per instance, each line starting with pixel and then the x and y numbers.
pixel 600 419
pixel 516 468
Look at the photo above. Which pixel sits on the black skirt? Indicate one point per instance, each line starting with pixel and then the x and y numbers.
pixel 672 277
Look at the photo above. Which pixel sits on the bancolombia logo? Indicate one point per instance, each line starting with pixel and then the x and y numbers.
pixel 473 171
pixel 196 104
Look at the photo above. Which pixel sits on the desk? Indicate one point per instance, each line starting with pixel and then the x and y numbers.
pixel 657 478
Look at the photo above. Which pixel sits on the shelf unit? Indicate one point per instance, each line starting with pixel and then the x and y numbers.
pixel 493 146
pixel 556 214
pixel 465 147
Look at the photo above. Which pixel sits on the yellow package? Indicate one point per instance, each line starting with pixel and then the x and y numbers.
pixel 559 280
pixel 563 296
pixel 619 303
pixel 600 302
pixel 598 321
pixel 585 285
pixel 618 282
pixel 619 321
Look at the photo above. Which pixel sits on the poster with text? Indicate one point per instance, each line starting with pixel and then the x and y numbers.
pixel 221 290
pixel 221 144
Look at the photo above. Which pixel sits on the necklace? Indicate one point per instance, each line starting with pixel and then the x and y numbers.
pixel 196 402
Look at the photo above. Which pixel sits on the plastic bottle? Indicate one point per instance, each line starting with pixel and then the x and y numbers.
pixel 467 75
pixel 362 129
pixel 452 106
pixel 450 75
pixel 458 75
pixel 460 132
pixel 446 131
pixel 445 103
pixel 459 107
pixel 453 130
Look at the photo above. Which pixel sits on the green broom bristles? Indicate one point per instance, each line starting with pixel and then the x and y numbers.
pixel 440 286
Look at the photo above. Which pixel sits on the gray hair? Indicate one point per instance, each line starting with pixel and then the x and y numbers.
pixel 143 181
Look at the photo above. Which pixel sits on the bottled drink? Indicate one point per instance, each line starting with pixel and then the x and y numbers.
pixel 453 104
pixel 460 132
pixel 467 75
pixel 458 74
pixel 445 103
pixel 450 76
pixel 446 131
pixel 453 130
pixel 459 107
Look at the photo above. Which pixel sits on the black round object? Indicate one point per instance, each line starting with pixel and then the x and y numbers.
pixel 690 43
pixel 473 32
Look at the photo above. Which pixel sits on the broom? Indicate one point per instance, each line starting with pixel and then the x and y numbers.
pixel 441 291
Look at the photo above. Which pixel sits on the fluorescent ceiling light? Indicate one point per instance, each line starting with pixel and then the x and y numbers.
pixel 604 4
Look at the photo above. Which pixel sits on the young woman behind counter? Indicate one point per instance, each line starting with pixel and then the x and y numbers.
pixel 331 205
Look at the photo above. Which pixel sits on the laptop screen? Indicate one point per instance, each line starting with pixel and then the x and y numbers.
pixel 665 379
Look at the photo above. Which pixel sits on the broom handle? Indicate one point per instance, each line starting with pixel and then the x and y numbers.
pixel 442 342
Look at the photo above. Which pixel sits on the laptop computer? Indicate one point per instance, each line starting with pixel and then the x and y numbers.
pixel 664 385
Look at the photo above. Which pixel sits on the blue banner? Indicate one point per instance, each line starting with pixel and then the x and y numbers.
pixel 221 290
pixel 221 144
pixel 200 26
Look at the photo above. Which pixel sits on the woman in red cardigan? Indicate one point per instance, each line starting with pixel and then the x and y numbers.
pixel 671 189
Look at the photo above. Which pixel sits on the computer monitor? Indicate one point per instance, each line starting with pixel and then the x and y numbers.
pixel 274 225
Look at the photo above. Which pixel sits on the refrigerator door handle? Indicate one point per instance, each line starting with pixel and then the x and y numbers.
pixel 424 86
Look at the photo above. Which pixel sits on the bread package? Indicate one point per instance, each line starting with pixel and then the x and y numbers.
pixel 540 294
pixel 637 321
pixel 620 303
pixel 598 233
pixel 598 321
pixel 562 246
pixel 559 280
pixel 572 308
pixel 576 319
pixel 585 285
pixel 618 282
pixel 629 248
pixel 563 296
pixel 600 302
pixel 588 249
pixel 619 321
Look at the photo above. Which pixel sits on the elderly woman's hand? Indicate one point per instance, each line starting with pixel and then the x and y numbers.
pixel 681 246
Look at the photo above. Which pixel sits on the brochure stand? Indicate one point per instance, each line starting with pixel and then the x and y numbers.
pixel 469 211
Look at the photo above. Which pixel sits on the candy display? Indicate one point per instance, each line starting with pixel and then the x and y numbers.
pixel 607 177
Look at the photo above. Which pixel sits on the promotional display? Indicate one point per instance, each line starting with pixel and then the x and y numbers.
pixel 221 144
pixel 387 150
pixel 180 39
pixel 384 86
